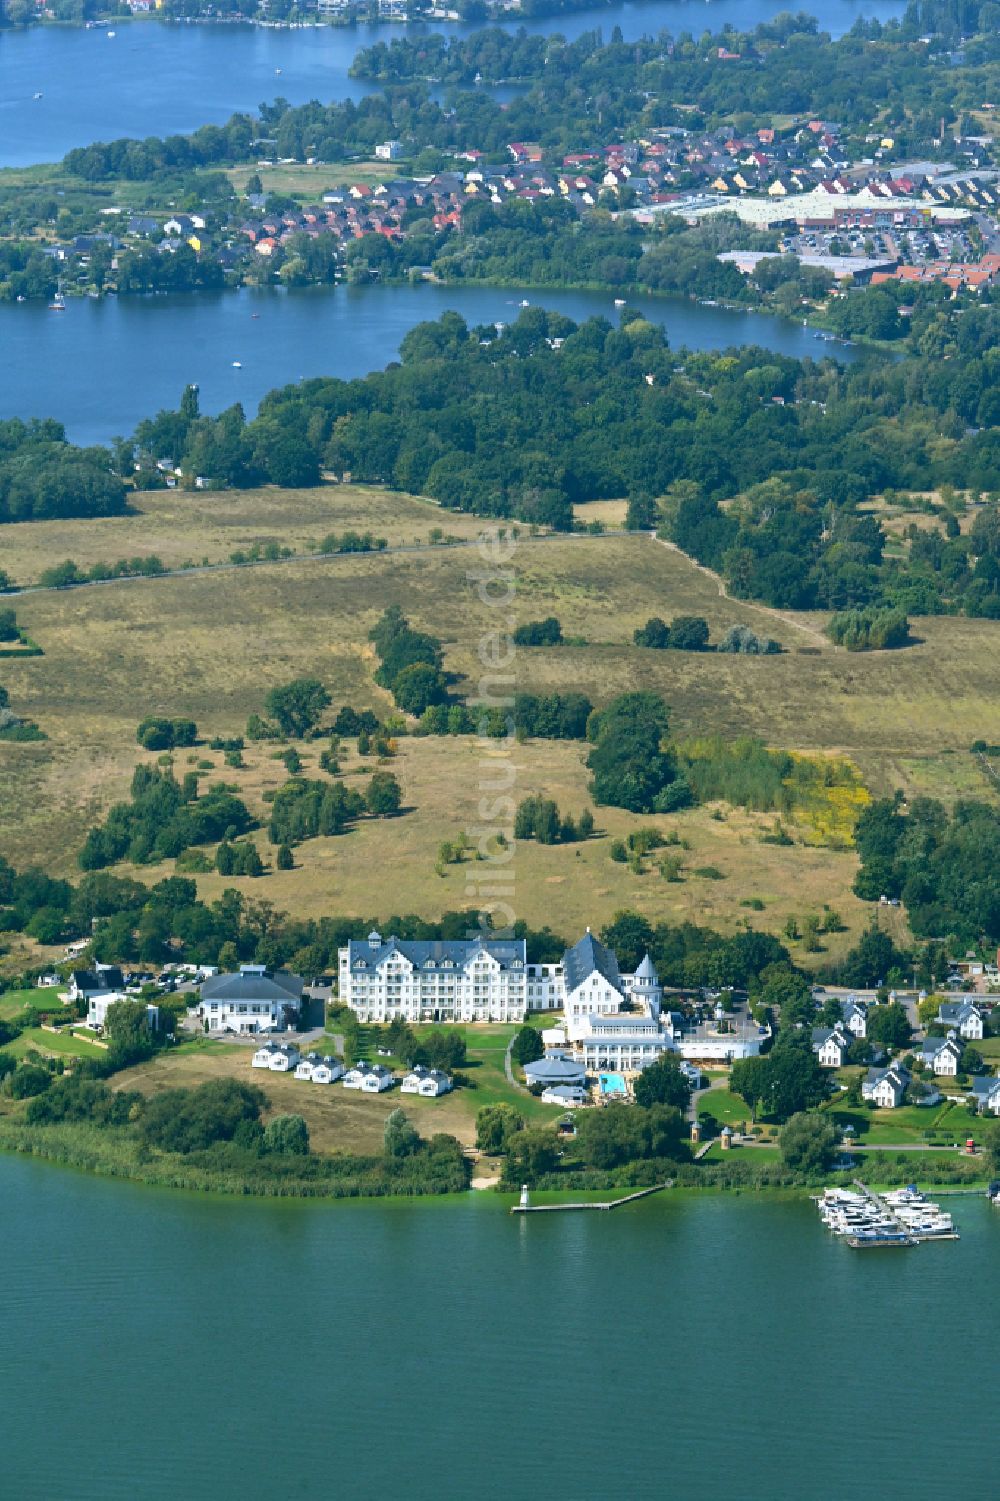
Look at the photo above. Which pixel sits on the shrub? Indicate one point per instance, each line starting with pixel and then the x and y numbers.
pixel 527 1046
pixel 743 641
pixel 870 628
pixel 297 706
pixel 28 1080
pixel 495 1125
pixel 166 734
pixel 188 1120
pixel 287 1134
pixel 547 632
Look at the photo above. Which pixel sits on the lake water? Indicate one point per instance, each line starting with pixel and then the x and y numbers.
pixel 101 366
pixel 153 78
pixel 159 1345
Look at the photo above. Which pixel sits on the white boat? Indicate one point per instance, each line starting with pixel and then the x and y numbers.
pixel 110 33
pixel 237 364
pixel 38 95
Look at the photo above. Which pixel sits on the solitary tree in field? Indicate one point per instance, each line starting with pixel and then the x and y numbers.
pixel 297 706
pixel 383 795
pixel 527 1046
pixel 400 1138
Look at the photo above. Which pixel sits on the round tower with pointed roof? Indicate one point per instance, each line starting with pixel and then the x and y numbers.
pixel 645 988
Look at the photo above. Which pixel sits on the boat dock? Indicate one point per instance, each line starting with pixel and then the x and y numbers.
pixel 898 1217
pixel 525 1207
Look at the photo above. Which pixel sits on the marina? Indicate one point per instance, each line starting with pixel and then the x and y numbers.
pixel 870 1220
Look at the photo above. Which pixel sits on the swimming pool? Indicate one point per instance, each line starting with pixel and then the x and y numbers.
pixel 613 1084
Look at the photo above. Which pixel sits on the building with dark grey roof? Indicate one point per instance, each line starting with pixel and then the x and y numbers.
pixel 461 980
pixel 253 1000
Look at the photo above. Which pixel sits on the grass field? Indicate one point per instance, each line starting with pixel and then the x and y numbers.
pixel 344 1120
pixel 195 527
pixel 58 1044
pixel 14 1001
pixel 723 1106
pixel 308 182
pixel 210 646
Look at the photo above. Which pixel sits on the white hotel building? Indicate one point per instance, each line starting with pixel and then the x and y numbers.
pixel 481 979
pixel 612 1021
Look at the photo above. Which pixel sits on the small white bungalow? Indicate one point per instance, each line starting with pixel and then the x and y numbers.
pixel 327 1071
pixel 854 1017
pixel 831 1045
pixel 304 1069
pixel 986 1095
pixel 428 1082
pixel 284 1059
pixel 372 1078
pixel 98 1007
pixel 262 1057
pixel 570 1096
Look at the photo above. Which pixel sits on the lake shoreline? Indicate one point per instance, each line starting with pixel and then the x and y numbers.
pixel 101 1154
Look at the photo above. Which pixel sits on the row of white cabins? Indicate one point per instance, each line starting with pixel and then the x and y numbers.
pixel 370 1078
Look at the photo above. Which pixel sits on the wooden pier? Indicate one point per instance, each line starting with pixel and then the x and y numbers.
pixel 642 1193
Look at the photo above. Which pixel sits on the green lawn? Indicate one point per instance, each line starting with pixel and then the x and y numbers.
pixel 724 1106
pixel 879 1127
pixel 946 1123
pixel 958 1122
pixel 198 1043
pixel 486 1046
pixel 62 1044
pixel 715 1153
pixel 13 1001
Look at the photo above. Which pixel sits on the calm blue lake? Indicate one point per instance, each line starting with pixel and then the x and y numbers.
pixel 101 366
pixel 160 1345
pixel 154 78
